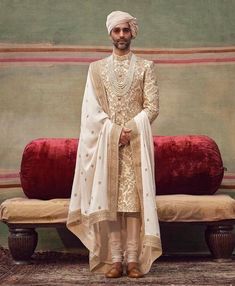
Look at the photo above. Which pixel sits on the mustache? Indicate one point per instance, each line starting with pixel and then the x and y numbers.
pixel 122 40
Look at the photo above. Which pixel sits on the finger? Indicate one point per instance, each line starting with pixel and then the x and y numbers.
pixel 127 130
pixel 128 137
pixel 124 142
pixel 122 136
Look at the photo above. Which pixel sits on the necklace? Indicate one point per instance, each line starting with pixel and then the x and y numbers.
pixel 121 88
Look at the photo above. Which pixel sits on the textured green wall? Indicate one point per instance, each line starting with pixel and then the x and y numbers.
pixel 163 23
pixel 38 102
pixel 199 100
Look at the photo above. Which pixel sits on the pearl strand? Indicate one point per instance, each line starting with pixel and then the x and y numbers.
pixel 119 88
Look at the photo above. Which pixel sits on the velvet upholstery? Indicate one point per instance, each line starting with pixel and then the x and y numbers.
pixel 47 168
pixel 187 165
pixel 183 165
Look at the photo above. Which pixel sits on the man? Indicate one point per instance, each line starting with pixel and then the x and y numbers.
pixel 113 208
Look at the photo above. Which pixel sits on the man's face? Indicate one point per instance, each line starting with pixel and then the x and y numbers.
pixel 121 36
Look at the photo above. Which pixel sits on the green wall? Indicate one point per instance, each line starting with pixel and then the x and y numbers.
pixel 163 23
pixel 45 101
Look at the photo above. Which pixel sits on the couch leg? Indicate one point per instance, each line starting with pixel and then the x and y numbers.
pixel 221 241
pixel 22 243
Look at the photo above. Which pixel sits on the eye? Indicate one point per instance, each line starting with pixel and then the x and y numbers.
pixel 126 30
pixel 118 30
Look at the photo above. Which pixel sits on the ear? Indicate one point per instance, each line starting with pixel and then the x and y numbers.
pixel 110 37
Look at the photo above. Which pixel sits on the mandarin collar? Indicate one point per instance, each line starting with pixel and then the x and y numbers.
pixel 122 58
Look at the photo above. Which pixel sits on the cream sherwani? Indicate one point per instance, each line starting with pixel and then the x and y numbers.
pixel 110 178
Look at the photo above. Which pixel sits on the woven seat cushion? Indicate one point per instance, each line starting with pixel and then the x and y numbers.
pixel 183 165
pixel 171 208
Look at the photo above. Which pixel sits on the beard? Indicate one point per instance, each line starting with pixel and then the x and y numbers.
pixel 122 44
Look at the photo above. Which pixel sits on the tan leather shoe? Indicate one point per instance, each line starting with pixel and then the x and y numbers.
pixel 115 271
pixel 133 270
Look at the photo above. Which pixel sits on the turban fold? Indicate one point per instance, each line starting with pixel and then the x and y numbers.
pixel 118 17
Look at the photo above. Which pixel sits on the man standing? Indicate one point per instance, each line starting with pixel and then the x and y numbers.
pixel 113 208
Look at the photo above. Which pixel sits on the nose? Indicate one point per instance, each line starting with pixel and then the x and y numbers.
pixel 121 34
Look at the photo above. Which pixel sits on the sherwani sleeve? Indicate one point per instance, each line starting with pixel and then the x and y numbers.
pixel 151 93
pixel 150 99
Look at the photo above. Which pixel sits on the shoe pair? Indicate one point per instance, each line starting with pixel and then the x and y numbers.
pixel 132 270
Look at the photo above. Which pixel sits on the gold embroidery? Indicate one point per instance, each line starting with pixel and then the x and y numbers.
pixel 142 93
pixel 135 147
pixel 150 240
pixel 113 168
pixel 128 199
pixel 151 94
pixel 76 217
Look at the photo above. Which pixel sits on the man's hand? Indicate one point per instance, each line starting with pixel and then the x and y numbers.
pixel 125 136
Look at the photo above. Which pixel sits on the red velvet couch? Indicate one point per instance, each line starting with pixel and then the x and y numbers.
pixel 188 171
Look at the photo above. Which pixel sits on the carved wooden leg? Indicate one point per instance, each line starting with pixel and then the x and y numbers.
pixel 221 241
pixel 22 243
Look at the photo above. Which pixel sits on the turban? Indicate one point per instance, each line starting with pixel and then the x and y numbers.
pixel 118 17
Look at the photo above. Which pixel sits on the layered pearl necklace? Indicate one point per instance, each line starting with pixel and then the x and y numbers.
pixel 121 88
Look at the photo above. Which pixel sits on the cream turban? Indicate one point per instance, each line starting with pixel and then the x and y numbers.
pixel 118 17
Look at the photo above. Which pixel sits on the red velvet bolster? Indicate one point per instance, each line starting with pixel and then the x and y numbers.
pixel 187 165
pixel 183 165
pixel 47 168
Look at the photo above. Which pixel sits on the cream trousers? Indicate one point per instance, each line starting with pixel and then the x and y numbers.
pixel 132 225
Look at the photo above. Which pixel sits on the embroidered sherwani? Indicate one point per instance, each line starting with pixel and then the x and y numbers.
pixel 109 178
pixel 123 108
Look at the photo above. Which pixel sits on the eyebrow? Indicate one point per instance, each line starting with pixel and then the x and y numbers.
pixel 125 29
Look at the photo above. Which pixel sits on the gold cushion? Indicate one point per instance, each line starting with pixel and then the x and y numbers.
pixel 171 208
pixel 24 210
pixel 189 208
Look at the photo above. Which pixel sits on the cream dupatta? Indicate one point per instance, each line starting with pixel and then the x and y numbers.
pixel 95 187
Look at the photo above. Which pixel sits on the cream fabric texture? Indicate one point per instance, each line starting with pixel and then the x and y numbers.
pixel 90 184
pixel 118 17
pixel 171 208
pixel 147 171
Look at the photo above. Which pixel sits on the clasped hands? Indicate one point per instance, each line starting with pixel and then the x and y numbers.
pixel 125 136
